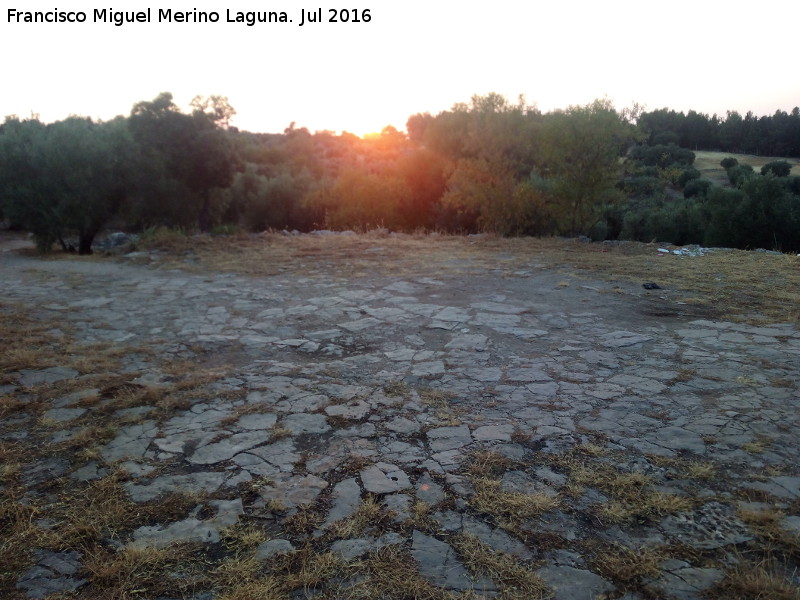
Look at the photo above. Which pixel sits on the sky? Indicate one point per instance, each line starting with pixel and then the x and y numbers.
pixel 412 56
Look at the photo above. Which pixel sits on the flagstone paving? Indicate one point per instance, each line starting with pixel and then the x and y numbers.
pixel 387 388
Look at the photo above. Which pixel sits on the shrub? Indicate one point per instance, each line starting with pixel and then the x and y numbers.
pixel 740 174
pixel 644 186
pixel 697 188
pixel 779 168
pixel 688 175
pixel 727 163
pixel 662 155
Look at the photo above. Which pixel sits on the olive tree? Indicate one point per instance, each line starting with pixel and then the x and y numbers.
pixel 64 179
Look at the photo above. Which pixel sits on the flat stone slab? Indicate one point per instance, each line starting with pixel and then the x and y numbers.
pixel 267 550
pixel 355 547
pixel 712 525
pixel 677 438
pixel 63 415
pixel 293 490
pixel 346 498
pixel 192 483
pixel 31 377
pixel 306 423
pixel 384 478
pixel 499 433
pixel 131 441
pixel 428 491
pixel 569 583
pixel 227 448
pixel 257 421
pixel 449 438
pixel 684 582
pixel 439 564
pixel 188 530
pixel 54 573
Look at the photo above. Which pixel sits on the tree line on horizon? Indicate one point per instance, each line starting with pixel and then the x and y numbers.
pixel 487 165
pixel 768 135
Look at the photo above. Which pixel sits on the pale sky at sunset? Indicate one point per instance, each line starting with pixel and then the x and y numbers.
pixel 414 56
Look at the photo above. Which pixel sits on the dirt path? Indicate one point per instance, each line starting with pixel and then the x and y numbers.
pixel 559 422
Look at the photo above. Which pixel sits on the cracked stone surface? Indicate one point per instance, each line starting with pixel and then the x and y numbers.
pixel 337 389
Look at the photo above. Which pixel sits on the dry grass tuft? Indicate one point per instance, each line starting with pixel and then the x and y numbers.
pixel 517 580
pixel 510 507
pixel 279 432
pixel 590 450
pixel 757 446
pixel 700 471
pixel 305 569
pixel 370 513
pixel 439 399
pixel 141 572
pixel 486 463
pixel 304 521
pixel 642 508
pixel 263 588
pixel 395 389
pixel 753 581
pixel 243 537
pixel 391 574
pixel 625 566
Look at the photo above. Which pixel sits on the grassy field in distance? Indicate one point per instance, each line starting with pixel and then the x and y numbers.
pixel 707 163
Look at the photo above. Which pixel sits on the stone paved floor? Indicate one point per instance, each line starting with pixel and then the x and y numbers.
pixel 338 389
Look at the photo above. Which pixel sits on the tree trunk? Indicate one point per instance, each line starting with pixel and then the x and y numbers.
pixel 204 218
pixel 85 243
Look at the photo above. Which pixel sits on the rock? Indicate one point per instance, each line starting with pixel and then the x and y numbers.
pixel 44 470
pixel 188 530
pixel 438 563
pixel 497 433
pixel 267 550
pixel 624 339
pixel 569 583
pixel 495 538
pixel 712 525
pixel 227 448
pixel 354 411
pixel 257 421
pixel 791 524
pixel 428 490
pixel 448 438
pixel 521 483
pixel 402 425
pixel 353 548
pixel 473 342
pixel 31 377
pixel 228 511
pixel 91 471
pixel 62 415
pixel 346 498
pixel 293 490
pixel 677 438
pixel 116 242
pixel 192 483
pixel 785 487
pixel 306 423
pixel 191 529
pixel 131 441
pixel 400 505
pixel 384 478
pixel 684 582
pixel 53 574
